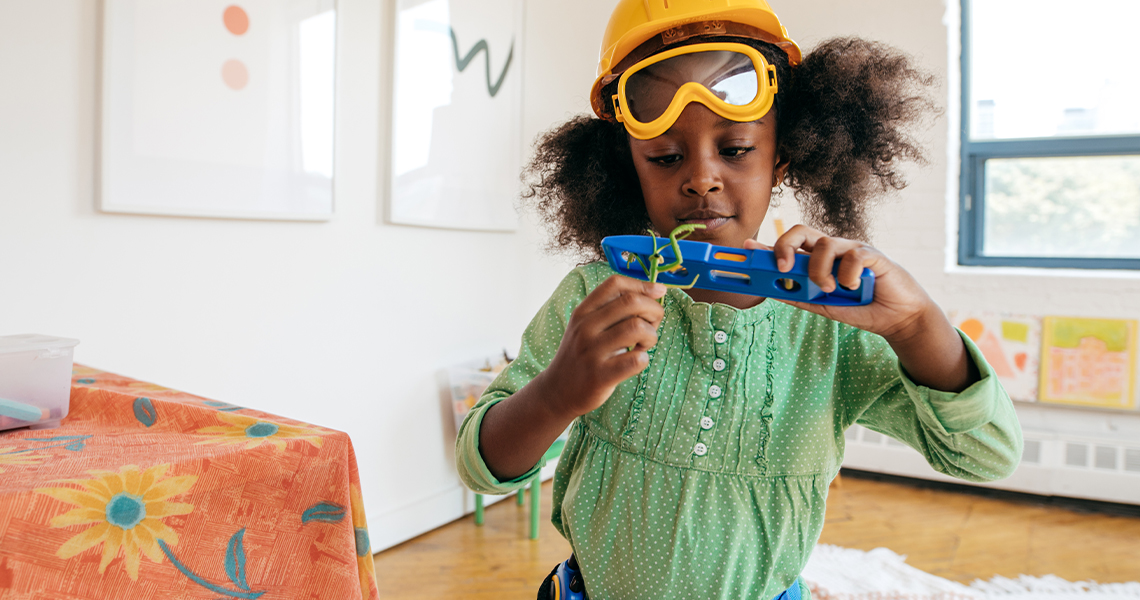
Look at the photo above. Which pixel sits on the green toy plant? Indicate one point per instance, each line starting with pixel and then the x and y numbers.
pixel 657 262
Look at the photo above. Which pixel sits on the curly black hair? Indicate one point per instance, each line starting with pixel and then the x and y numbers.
pixel 842 120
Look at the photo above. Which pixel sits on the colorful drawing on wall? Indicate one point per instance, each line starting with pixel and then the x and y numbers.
pixel 1090 362
pixel 218 108
pixel 1010 343
pixel 457 140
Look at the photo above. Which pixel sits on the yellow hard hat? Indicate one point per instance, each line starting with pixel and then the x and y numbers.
pixel 635 22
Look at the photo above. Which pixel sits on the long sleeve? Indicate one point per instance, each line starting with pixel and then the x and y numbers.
pixel 540 342
pixel 972 435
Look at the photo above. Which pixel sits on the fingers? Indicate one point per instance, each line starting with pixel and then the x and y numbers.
pixel 851 266
pixel 620 314
pixel 755 245
pixel 852 255
pixel 615 287
pixel 617 299
pixel 826 251
pixel 608 334
pixel 620 367
pixel 633 333
pixel 798 237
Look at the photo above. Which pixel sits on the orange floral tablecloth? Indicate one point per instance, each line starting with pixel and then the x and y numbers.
pixel 146 492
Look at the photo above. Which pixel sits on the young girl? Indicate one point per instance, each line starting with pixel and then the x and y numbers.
pixel 704 433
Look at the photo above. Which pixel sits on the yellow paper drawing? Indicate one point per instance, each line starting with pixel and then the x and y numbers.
pixel 1090 362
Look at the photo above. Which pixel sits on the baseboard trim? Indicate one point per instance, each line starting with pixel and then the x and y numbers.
pixel 416 518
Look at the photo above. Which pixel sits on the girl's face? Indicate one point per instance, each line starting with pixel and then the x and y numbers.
pixel 709 170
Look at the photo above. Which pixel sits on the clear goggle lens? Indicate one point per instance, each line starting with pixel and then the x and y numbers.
pixel 730 76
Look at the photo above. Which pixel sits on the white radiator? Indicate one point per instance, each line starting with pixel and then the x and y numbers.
pixel 1075 465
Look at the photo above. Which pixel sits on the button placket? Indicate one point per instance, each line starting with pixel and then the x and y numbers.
pixel 720 366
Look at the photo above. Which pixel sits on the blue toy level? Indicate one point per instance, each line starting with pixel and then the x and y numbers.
pixel 725 269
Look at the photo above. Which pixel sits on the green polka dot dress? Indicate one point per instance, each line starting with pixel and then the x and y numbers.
pixel 706 476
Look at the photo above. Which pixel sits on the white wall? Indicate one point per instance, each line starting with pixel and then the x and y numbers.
pixel 330 322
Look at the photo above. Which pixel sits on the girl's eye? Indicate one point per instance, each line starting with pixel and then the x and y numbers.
pixel 666 160
pixel 737 151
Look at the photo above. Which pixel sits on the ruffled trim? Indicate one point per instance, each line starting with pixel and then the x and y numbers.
pixel 643 383
pixel 768 410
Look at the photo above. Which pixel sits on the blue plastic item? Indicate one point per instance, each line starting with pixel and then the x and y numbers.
pixel 20 410
pixel 725 269
pixel 567 579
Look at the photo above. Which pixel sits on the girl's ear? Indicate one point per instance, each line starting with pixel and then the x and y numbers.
pixel 779 171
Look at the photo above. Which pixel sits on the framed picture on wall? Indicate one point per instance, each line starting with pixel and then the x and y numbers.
pixel 456 114
pixel 218 108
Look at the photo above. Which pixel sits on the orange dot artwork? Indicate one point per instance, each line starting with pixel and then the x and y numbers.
pixel 972 328
pixel 236 19
pixel 234 74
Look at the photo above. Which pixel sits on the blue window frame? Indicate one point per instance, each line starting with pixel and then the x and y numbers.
pixel 990 162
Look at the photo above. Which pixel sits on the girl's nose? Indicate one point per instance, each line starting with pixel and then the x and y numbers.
pixel 704 178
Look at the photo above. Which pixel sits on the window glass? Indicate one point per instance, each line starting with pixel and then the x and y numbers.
pixel 1053 68
pixel 1076 207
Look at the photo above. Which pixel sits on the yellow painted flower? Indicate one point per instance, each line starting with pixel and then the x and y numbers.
pixel 126 509
pixel 364 563
pixel 254 432
pixel 7 456
pixel 82 371
pixel 142 386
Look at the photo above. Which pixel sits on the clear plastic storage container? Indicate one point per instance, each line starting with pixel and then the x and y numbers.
pixel 35 380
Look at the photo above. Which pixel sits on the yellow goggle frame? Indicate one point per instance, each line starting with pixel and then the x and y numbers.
pixel 766 89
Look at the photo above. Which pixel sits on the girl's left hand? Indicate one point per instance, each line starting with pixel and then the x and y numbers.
pixel 900 303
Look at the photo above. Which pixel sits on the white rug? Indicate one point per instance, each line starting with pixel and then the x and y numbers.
pixel 835 573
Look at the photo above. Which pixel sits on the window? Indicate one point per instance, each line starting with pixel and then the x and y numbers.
pixel 1050 134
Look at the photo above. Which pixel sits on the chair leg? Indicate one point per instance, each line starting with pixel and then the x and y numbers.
pixel 521 498
pixel 535 505
pixel 478 509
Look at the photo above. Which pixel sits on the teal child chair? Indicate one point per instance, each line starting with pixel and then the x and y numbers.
pixel 535 484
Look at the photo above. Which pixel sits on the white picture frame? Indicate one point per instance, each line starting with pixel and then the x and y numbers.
pixel 456 130
pixel 218 108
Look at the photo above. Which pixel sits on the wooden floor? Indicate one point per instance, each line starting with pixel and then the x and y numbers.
pixel 953 534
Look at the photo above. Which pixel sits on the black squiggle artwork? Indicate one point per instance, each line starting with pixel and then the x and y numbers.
pixel 462 62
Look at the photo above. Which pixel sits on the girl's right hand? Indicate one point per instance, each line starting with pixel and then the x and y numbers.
pixel 605 343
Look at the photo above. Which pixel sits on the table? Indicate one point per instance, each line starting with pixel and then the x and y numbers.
pixel 145 492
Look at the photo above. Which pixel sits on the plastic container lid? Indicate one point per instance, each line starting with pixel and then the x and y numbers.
pixel 32 342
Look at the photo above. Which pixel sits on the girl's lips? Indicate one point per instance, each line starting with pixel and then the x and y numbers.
pixel 709 224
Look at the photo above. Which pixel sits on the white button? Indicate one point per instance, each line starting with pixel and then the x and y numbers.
pixel 714 391
pixel 706 423
pixel 720 337
pixel 700 449
pixel 719 364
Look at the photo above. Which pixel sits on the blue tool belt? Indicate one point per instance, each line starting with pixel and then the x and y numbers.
pixel 565 583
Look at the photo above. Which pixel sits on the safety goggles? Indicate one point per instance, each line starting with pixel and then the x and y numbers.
pixel 732 80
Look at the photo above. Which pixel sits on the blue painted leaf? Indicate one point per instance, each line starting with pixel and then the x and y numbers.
pixel 363 546
pixel 192 576
pixel 325 511
pixel 224 406
pixel 75 443
pixel 235 560
pixel 86 381
pixel 144 411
